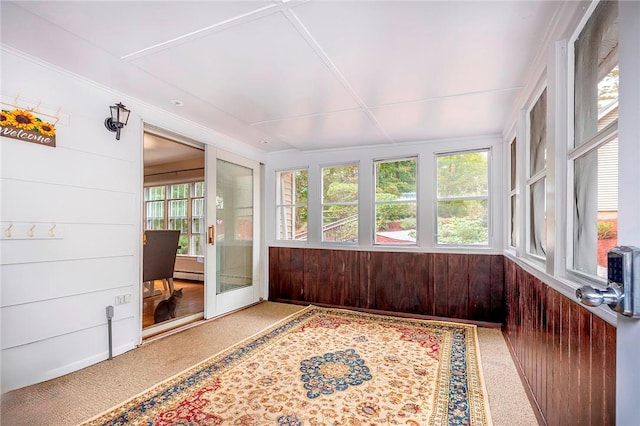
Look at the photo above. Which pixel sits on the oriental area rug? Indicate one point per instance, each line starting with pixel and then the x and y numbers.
pixel 326 367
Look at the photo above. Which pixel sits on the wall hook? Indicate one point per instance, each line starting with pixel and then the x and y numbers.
pixel 31 232
pixel 57 115
pixel 36 108
pixel 7 232
pixel 51 231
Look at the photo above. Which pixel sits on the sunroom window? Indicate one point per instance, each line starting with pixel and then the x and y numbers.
pixel 593 158
pixel 537 178
pixel 396 207
pixel 463 198
pixel 340 204
pixel 512 194
pixel 291 204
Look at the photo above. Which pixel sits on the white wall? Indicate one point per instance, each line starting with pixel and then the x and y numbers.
pixel 54 291
pixel 425 151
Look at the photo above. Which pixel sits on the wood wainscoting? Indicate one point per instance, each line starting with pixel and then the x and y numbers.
pixel 566 354
pixel 457 286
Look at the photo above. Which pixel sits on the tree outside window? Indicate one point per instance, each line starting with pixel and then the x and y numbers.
pixel 463 198
pixel 340 203
pixel 396 207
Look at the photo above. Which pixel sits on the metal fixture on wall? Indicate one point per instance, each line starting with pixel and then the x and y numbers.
pixel 623 283
pixel 109 318
pixel 118 119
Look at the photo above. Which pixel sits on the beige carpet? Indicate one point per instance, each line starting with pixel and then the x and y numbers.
pixel 76 397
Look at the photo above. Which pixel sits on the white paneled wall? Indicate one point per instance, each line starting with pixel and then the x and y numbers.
pixel 55 288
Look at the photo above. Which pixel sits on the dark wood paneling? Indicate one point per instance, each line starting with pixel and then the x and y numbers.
pixel 479 297
pixel 598 338
pixel 440 280
pixel 496 280
pixel 566 354
pixel 609 376
pixel 383 280
pixel 312 274
pixel 468 287
pixel 584 365
pixel 408 283
pixel 457 287
pixel 365 298
pixel 297 274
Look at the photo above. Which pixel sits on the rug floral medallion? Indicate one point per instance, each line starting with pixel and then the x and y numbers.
pixel 327 367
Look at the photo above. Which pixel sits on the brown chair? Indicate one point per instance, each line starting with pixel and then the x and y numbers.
pixel 158 260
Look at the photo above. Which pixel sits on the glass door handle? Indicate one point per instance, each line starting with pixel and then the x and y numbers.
pixel 211 231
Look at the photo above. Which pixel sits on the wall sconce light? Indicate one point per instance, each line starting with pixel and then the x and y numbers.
pixel 118 119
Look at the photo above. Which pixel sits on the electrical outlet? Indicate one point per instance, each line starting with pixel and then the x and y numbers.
pixel 123 298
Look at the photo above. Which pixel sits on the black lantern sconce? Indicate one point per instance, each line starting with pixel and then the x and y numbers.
pixel 118 119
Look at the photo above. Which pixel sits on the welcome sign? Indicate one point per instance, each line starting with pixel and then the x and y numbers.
pixel 24 126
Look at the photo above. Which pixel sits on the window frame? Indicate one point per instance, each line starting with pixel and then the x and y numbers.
pixel 531 179
pixel 602 137
pixel 278 205
pixel 512 194
pixel 488 197
pixel 190 235
pixel 355 203
pixel 415 200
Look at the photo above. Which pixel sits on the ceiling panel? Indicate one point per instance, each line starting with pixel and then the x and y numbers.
pixel 403 51
pixel 460 116
pixel 259 71
pixel 341 129
pixel 124 27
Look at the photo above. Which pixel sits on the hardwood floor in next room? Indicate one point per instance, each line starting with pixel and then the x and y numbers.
pixel 192 301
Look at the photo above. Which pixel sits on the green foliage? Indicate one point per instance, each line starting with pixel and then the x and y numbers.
pixel 347 232
pixel 409 223
pixel 462 231
pixel 393 211
pixel 461 222
pixel 453 209
pixel 464 174
pixel 396 177
pixel 183 244
pixel 301 181
pixel 341 192
pixel 606 231
pixel 340 185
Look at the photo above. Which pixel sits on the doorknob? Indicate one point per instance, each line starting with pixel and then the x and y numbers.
pixel 211 234
pixel 623 283
pixel 590 296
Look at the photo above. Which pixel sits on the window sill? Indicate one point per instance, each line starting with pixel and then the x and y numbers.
pixel 566 287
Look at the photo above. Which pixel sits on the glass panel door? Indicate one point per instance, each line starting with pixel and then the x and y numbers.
pixel 234 226
pixel 232 233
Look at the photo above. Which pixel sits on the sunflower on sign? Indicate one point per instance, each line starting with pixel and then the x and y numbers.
pixel 25 120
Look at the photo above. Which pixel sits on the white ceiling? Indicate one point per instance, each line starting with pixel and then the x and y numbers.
pixel 300 75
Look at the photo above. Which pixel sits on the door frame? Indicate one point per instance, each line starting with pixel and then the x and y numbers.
pixel 172 325
pixel 220 304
